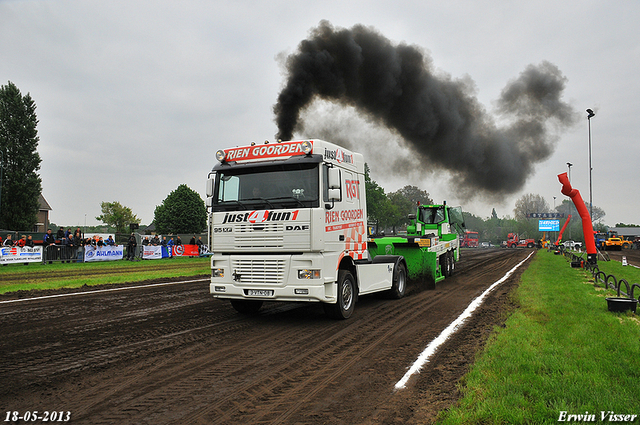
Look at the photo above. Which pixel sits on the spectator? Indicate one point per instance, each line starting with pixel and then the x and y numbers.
pixel 67 233
pixel 193 240
pixel 155 240
pixel 29 242
pixel 178 241
pixel 145 241
pixel 171 243
pixel 68 241
pixel 110 241
pixel 164 241
pixel 90 242
pixel 101 242
pixel 199 243
pixel 8 241
pixel 21 242
pixel 60 234
pixel 132 244
pixel 48 239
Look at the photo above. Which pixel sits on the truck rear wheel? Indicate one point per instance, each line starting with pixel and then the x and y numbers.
pixel 399 286
pixel 248 307
pixel 346 302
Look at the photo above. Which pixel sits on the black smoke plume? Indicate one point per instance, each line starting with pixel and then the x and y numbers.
pixel 439 118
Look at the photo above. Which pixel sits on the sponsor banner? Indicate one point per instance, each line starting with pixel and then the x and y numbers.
pixel 185 251
pixel 103 253
pixel 545 215
pixel 275 150
pixel 549 225
pixel 150 252
pixel 16 254
pixel 342 218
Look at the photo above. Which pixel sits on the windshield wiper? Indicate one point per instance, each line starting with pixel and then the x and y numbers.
pixel 288 198
pixel 260 200
pixel 222 203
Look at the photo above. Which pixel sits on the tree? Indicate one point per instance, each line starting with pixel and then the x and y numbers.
pixel 404 201
pixel 415 195
pixel 183 211
pixel 19 160
pixel 400 208
pixel 376 198
pixel 116 215
pixel 530 203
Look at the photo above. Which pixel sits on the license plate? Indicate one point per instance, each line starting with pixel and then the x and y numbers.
pixel 260 292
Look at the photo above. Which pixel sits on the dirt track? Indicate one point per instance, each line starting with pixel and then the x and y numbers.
pixel 172 354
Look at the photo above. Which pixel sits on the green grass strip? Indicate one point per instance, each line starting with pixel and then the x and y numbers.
pixel 561 351
pixel 72 275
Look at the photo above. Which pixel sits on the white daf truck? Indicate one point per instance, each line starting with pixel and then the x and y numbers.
pixel 287 222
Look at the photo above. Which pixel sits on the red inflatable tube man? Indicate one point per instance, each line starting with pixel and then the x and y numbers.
pixel 587 227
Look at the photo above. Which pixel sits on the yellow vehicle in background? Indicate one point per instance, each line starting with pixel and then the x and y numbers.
pixel 616 243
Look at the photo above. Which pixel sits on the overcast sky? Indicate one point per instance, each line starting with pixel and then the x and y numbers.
pixel 135 97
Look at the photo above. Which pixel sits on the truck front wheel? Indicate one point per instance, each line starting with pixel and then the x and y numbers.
pixel 346 302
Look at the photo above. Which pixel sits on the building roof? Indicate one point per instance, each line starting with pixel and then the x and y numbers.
pixel 626 231
pixel 44 205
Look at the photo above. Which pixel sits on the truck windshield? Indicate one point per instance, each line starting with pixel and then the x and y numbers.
pixel 270 187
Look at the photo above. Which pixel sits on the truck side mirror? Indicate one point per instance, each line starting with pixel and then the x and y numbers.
pixel 334 179
pixel 210 187
pixel 334 194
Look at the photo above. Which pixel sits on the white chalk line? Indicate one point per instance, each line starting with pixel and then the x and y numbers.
pixel 101 290
pixel 433 346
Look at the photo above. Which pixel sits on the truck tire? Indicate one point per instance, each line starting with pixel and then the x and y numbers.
pixel 248 307
pixel 346 302
pixel 453 262
pixel 399 286
pixel 444 264
pixel 529 245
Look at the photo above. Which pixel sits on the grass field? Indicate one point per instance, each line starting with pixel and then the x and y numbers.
pixel 561 353
pixel 72 275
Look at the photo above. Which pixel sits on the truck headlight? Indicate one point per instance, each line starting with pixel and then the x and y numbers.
pixel 308 274
pixel 220 155
pixel 217 272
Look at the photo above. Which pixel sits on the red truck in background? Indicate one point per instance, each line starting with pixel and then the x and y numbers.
pixel 469 239
pixel 513 241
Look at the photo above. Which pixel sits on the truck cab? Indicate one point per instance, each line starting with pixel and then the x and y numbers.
pixel 287 223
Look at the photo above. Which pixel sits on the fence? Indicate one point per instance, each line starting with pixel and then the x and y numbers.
pixel 63 254
pixel 600 278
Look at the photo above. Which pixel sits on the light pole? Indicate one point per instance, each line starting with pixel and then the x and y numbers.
pixel 569 165
pixel 590 114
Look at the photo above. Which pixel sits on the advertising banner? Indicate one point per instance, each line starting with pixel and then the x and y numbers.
pixel 18 255
pixel 103 253
pixel 152 252
pixel 185 251
pixel 549 225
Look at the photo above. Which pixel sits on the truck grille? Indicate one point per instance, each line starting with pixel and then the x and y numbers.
pixel 259 235
pixel 260 271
